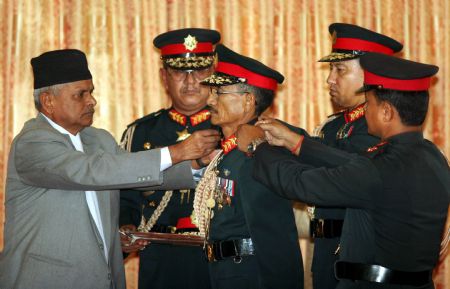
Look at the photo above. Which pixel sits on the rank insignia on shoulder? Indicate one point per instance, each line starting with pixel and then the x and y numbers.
pixel 376 147
pixel 147 146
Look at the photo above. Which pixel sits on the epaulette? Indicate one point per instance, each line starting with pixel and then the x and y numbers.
pixel 333 115
pixel 376 149
pixel 127 136
pixel 147 117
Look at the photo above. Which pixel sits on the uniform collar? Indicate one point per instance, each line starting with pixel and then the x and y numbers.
pixel 195 119
pixel 229 144
pixel 407 137
pixel 355 113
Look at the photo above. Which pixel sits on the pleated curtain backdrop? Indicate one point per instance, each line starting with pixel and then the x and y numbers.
pixel 289 35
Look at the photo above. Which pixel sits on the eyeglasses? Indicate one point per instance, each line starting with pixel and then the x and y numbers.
pixel 181 75
pixel 217 93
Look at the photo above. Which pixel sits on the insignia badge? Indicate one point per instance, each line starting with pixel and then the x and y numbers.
pixel 147 145
pixel 190 43
pixel 226 172
pixel 182 135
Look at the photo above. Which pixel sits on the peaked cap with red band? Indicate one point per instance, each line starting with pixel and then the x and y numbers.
pixel 388 72
pixel 351 41
pixel 188 48
pixel 233 68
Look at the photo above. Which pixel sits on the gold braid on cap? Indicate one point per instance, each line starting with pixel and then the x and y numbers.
pixel 204 193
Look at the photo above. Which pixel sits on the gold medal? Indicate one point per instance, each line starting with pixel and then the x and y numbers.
pixel 210 203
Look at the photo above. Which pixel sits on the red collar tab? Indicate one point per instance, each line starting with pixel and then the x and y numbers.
pixel 376 147
pixel 419 84
pixel 177 117
pixel 252 78
pixel 179 48
pixel 229 144
pixel 354 114
pixel 195 119
pixel 200 117
pixel 362 45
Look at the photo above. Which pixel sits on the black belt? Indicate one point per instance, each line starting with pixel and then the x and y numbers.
pixel 325 228
pixel 163 229
pixel 157 228
pixel 235 249
pixel 380 274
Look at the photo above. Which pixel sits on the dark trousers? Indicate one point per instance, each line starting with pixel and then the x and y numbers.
pixel 323 263
pixel 173 267
pixel 226 274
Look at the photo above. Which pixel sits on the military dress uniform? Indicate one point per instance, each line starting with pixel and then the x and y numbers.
pixel 259 224
pixel 396 204
pixel 169 266
pixel 347 131
pixel 252 237
pixel 160 262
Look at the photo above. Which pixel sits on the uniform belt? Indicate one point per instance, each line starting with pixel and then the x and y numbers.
pixel 235 249
pixel 380 274
pixel 325 228
pixel 163 229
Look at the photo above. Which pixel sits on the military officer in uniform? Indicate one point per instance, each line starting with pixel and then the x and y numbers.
pixel 187 58
pixel 396 197
pixel 345 130
pixel 235 212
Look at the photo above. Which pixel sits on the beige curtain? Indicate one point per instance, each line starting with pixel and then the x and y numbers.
pixel 289 35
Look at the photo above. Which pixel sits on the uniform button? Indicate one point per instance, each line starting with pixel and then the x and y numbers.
pixel 140 179
pixel 101 246
pixel 109 276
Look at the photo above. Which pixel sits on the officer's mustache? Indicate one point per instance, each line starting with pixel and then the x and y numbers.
pixel 190 90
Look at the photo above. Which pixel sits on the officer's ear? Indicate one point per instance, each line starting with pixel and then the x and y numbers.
pixel 163 75
pixel 388 111
pixel 250 102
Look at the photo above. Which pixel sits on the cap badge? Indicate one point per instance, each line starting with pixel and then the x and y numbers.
pixel 190 42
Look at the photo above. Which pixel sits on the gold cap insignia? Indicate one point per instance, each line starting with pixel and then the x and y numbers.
pixel 190 42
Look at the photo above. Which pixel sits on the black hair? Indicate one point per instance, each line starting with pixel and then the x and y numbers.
pixel 412 106
pixel 263 97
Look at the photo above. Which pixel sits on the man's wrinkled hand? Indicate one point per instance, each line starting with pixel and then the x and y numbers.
pixel 199 144
pixel 246 134
pixel 128 245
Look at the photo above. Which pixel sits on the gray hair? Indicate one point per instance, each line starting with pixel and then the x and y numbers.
pixel 53 89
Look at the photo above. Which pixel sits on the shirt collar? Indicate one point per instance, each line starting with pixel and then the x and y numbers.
pixel 407 137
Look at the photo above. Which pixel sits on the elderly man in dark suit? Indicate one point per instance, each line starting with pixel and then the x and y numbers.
pixel 62 198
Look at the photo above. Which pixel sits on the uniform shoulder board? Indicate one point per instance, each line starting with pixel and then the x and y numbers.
pixel 333 115
pixel 127 135
pixel 147 117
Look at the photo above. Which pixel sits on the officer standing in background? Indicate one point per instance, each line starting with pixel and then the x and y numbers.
pixel 187 58
pixel 398 196
pixel 345 130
